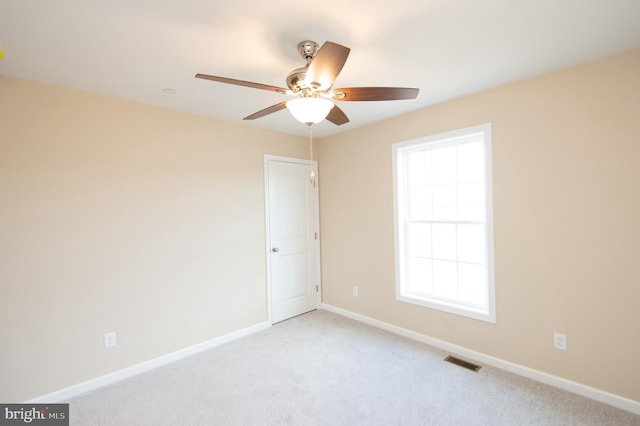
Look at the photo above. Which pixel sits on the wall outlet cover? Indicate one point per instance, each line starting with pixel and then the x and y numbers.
pixel 109 339
pixel 560 341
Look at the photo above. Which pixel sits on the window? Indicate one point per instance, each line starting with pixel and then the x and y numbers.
pixel 443 222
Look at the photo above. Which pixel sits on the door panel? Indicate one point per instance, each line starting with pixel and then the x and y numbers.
pixel 291 215
pixel 295 269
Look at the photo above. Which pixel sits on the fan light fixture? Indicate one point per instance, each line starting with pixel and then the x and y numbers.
pixel 309 110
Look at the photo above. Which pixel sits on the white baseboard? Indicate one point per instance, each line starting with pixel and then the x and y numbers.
pixel 558 382
pixel 72 391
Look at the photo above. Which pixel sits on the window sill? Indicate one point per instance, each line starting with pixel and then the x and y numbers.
pixel 481 315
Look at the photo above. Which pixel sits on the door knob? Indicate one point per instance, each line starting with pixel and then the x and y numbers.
pixel 275 249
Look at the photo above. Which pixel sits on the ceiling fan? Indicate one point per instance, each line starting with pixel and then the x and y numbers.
pixel 312 84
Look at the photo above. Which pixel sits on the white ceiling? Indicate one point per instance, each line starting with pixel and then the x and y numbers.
pixel 134 49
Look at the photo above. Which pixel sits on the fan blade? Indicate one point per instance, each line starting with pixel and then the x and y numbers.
pixel 326 65
pixel 337 116
pixel 374 93
pixel 242 83
pixel 266 111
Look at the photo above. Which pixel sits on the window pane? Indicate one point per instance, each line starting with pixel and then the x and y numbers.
pixel 444 241
pixel 420 168
pixel 420 203
pixel 471 194
pixel 471 202
pixel 419 235
pixel 445 279
pixel 420 276
pixel 471 243
pixel 472 284
pixel 471 162
pixel 445 202
pixel 444 165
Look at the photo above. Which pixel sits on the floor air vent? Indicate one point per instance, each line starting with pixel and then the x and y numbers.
pixel 462 363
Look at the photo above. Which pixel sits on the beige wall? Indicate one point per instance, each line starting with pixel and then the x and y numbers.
pixel 566 157
pixel 120 216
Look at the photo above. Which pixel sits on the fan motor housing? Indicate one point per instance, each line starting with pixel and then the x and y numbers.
pixel 295 79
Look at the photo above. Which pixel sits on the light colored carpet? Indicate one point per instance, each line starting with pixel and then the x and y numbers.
pixel 323 369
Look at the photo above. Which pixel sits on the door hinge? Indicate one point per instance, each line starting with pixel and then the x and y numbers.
pixel 316 288
pixel 316 235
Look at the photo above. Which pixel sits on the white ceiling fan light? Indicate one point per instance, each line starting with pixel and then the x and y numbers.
pixel 310 110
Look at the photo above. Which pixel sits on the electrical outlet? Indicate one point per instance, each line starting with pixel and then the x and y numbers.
pixel 560 341
pixel 109 339
pixel 355 291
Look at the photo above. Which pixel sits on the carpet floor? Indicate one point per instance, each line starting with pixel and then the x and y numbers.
pixel 323 369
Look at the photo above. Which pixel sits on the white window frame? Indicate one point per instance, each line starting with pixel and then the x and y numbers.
pixel 400 152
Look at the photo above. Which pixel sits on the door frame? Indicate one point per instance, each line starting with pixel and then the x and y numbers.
pixel 314 165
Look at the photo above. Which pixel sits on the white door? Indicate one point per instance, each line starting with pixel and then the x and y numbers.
pixel 292 256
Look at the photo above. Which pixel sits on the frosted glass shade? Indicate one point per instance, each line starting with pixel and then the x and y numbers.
pixel 309 110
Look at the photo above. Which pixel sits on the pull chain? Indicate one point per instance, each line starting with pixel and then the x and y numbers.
pixel 311 152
